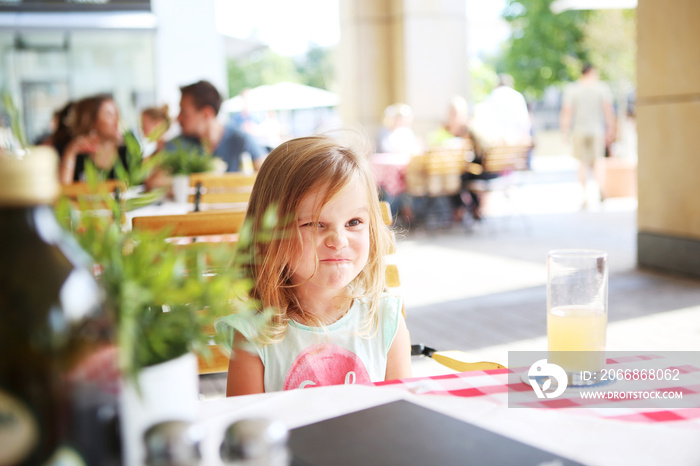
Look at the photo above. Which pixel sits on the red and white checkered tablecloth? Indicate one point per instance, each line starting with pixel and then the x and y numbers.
pixel 494 385
pixel 390 171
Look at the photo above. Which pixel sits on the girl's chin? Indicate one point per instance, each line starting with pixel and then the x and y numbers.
pixel 330 284
pixel 333 285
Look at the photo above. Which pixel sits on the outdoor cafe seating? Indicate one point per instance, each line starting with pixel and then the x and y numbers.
pixel 431 178
pixel 506 418
pixel 212 190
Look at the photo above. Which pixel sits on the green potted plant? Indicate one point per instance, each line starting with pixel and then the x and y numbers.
pixel 163 296
pixel 183 161
pixel 140 167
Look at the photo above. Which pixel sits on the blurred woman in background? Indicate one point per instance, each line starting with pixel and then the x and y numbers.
pixel 93 123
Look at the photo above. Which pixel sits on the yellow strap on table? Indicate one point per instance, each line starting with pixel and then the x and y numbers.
pixel 457 360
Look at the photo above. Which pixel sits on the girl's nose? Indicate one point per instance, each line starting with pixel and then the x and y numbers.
pixel 336 239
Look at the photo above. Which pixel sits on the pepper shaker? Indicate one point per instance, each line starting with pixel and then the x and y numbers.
pixel 256 442
pixel 173 443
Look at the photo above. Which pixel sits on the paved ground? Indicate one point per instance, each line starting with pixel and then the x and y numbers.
pixel 482 289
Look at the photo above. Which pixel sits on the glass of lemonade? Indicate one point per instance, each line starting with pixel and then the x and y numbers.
pixel 577 312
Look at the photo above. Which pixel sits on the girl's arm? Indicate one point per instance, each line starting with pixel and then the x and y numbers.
pixel 398 364
pixel 245 370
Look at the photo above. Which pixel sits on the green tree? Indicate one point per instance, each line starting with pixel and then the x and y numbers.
pixel 482 79
pixel 317 69
pixel 266 67
pixel 610 39
pixel 544 48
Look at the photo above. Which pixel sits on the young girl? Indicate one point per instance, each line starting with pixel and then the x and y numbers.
pixel 155 121
pixel 333 324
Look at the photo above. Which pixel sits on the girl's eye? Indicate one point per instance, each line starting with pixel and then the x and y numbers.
pixel 313 224
pixel 354 222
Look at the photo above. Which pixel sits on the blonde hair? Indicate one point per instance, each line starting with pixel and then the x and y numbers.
pixel 158 114
pixel 291 172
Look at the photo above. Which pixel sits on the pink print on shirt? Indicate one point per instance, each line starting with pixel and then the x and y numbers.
pixel 325 364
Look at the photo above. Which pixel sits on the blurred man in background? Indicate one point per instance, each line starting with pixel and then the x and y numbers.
pixel 587 115
pixel 199 107
pixel 511 116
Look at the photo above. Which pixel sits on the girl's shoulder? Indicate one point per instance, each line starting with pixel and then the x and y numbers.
pixel 389 317
pixel 390 302
pixel 251 325
pixel 388 308
pixel 385 302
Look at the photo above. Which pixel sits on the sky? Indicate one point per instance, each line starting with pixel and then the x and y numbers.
pixel 486 30
pixel 288 27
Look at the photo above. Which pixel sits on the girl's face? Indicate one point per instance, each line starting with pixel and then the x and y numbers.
pixel 341 242
pixel 148 124
pixel 107 122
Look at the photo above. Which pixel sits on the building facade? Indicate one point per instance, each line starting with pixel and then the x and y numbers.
pixel 139 51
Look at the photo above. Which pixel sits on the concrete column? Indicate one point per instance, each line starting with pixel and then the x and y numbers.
pixel 412 51
pixel 668 111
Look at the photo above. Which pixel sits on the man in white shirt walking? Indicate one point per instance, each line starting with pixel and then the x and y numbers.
pixel 587 115
pixel 510 112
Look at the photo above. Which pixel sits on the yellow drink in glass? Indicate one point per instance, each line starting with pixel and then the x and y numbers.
pixel 580 331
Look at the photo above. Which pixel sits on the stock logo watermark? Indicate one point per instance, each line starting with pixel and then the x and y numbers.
pixel 613 379
pixel 543 372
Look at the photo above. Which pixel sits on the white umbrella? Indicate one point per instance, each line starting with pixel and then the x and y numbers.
pixel 562 5
pixel 282 96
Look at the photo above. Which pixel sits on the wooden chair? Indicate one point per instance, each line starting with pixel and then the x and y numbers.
pixel 91 197
pixel 82 189
pixel 226 225
pixel 200 225
pixel 437 172
pixel 456 360
pixel 226 188
pixel 500 159
pixel 391 272
pixel 432 178
pixel 504 163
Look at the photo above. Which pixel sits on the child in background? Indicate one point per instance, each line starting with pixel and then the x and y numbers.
pixel 155 121
pixel 333 323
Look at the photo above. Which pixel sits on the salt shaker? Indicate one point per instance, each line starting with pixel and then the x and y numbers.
pixel 173 443
pixel 256 442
